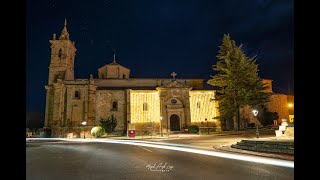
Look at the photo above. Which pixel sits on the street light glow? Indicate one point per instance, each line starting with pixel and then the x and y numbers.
pixel 255 112
pixel 84 123
pixel 290 105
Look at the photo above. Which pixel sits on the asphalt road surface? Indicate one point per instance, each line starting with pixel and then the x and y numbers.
pixel 88 160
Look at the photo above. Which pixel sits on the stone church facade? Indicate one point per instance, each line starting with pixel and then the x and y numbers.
pixel 140 101
pixel 170 103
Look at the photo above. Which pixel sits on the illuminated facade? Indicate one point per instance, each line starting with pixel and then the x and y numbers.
pixel 139 101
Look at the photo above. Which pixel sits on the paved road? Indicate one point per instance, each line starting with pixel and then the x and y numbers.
pixel 88 160
pixel 217 140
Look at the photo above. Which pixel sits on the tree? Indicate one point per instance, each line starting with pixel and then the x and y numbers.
pixel 109 124
pixel 238 80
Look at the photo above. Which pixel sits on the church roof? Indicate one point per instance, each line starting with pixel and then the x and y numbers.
pixel 124 88
pixel 114 63
pixel 174 84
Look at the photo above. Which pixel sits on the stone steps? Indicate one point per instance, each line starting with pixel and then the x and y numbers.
pixel 285 147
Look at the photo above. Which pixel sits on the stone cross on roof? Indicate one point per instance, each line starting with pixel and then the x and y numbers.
pixel 173 74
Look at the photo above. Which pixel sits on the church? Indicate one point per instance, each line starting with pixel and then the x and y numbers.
pixel 171 104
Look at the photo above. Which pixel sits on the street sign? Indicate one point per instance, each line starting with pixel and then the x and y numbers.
pixel 131 130
pixel 132 133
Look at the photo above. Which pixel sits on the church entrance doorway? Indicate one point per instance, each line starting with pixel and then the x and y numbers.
pixel 174 122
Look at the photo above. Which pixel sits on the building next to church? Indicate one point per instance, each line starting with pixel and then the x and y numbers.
pixel 140 101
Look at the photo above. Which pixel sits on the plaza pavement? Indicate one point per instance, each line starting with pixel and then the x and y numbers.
pixel 220 141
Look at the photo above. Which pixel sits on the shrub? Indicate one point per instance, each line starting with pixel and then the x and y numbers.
pixel 194 129
pixel 109 124
pixel 97 131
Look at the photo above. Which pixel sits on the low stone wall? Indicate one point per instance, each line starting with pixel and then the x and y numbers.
pixel 285 147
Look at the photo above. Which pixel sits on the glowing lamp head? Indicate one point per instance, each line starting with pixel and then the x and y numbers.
pixel 290 105
pixel 161 118
pixel 255 112
pixel 84 123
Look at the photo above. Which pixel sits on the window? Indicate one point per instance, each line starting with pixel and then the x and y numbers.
pixel 173 101
pixel 145 107
pixel 114 106
pixel 124 76
pixel 77 95
pixel 60 53
pixel 198 104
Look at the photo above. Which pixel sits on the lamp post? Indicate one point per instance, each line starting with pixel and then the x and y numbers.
pixel 84 123
pixel 207 124
pixel 255 113
pixel 161 126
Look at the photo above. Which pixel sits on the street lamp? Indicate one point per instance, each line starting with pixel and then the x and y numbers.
pixel 255 113
pixel 84 123
pixel 161 126
pixel 207 125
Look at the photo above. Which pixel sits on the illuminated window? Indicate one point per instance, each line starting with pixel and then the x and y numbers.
pixel 198 104
pixel 114 106
pixel 77 95
pixel 145 107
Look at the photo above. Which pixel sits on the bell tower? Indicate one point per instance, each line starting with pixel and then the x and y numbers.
pixel 63 52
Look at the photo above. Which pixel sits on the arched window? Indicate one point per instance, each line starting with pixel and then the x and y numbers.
pixel 77 94
pixel 145 106
pixel 114 106
pixel 60 53
pixel 198 104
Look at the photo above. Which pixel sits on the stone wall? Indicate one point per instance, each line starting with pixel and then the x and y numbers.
pixel 104 106
pixel 279 103
pixel 75 107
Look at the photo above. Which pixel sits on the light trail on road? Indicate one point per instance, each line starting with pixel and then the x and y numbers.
pixel 169 146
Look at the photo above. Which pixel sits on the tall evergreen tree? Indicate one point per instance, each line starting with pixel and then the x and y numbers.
pixel 238 80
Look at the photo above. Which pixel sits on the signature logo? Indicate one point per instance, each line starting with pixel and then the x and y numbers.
pixel 161 167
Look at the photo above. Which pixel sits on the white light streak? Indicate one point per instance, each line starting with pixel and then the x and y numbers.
pixel 169 146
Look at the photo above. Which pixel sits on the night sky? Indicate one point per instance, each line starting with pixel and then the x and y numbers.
pixel 155 38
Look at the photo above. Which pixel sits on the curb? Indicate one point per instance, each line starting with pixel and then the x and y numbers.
pixel 255 153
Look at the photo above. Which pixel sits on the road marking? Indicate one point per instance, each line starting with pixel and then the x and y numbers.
pixel 145 149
